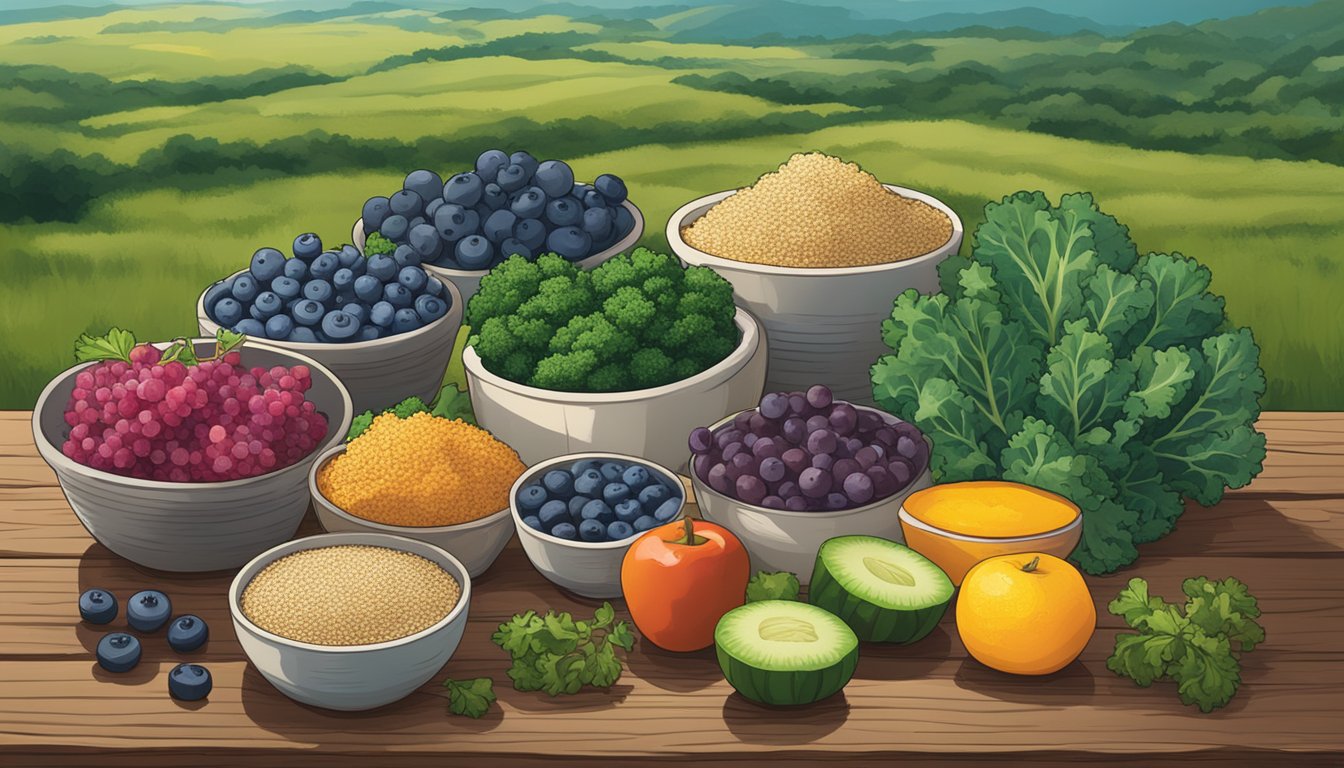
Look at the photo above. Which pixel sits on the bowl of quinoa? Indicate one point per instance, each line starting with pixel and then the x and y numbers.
pixel 817 250
pixel 437 480
pixel 350 621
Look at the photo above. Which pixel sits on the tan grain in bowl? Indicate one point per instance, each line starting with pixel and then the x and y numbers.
pixel 349 594
pixel 818 211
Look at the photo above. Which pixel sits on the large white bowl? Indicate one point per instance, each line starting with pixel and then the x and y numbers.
pixel 824 324
pixel 476 543
pixel 782 540
pixel 590 569
pixel 383 372
pixel 469 280
pixel 351 677
pixel 648 423
pixel 190 526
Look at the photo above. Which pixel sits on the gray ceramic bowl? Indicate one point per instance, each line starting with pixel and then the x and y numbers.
pixel 590 569
pixel 190 526
pixel 476 543
pixel 351 677
pixel 383 372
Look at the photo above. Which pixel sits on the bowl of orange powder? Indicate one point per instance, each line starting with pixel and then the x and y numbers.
pixel 441 481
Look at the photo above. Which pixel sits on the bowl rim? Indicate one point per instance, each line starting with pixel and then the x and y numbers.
pixel 569 458
pixel 55 457
pixel 321 346
pixel 701 486
pixel 625 243
pixel 323 540
pixel 907 518
pixel 683 216
pixel 408 531
pixel 748 345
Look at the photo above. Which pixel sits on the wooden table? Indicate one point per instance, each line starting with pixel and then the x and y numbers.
pixel 1284 536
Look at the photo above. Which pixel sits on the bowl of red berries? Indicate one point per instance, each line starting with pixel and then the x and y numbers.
pixel 190 455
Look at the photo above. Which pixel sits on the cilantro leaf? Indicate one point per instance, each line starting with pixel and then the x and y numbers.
pixel 604 616
pixel 525 672
pixel 601 668
pixel 515 635
pixel 471 698
pixel 116 345
pixel 620 635
pixel 781 585
pixel 1207 675
pixel 558 654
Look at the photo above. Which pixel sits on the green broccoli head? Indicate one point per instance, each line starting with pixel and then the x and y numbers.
pixel 651 367
pixel 503 290
pixel 358 424
pixel 633 269
pixel 561 296
pixel 375 244
pixel 629 309
pixel 596 334
pixel 567 371
pixel 612 377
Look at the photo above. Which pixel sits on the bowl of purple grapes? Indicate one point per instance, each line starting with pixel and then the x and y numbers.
pixel 803 467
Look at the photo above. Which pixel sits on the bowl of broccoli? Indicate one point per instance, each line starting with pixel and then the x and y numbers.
pixel 626 357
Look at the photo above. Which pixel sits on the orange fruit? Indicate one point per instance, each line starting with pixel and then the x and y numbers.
pixel 1027 614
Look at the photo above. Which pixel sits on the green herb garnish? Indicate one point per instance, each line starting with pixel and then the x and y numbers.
pixel 780 585
pixel 470 698
pixel 559 655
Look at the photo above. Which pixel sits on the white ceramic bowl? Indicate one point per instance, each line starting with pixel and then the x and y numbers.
pixel 823 324
pixel 383 372
pixel 781 540
pixel 351 677
pixel 476 543
pixel 590 569
pixel 190 526
pixel 468 280
pixel 649 423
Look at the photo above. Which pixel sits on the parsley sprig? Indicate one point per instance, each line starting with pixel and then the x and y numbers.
pixel 471 698
pixel 560 655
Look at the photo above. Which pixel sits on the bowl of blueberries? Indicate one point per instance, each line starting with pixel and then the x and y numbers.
pixel 576 516
pixel 384 327
pixel 506 204
pixel 802 468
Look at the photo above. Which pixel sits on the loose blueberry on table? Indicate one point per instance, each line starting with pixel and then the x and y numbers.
pixel 187 633
pixel 148 610
pixel 189 682
pixel 118 652
pixel 98 606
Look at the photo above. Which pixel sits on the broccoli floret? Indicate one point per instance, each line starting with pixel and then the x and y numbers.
pixel 628 309
pixel 503 290
pixel 493 340
pixel 358 424
pixel 650 367
pixel 409 407
pixel 662 291
pixel 567 372
pixel 559 296
pixel 517 366
pixel 596 334
pixel 530 334
pixel 376 244
pixel 612 377
pixel 685 368
pixel 554 265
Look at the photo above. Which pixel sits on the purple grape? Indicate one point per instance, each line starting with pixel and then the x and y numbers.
pixel 843 468
pixel 772 469
pixel 795 430
pixel 883 483
pixel 795 504
pixel 796 460
pixel 798 405
pixel 900 472
pixel 842 450
pixel 819 396
pixel 774 405
pixel 906 447
pixel 823 461
pixel 750 439
pixel 880 451
pixel 765 447
pixel 718 478
pixel 731 435
pixel 772 502
pixel 859 488
pixel 787 489
pixel 817 422
pixel 821 441
pixel 701 440
pixel 814 483
pixel 742 464
pixel 854 444
pixel 866 456
pixel 732 449
pixel 869 422
pixel 750 489
pixel 844 418
pixel 703 463
pixel 886 436
pixel 742 420
pixel 836 501
pixel 763 426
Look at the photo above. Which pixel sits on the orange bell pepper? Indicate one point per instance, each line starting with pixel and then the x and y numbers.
pixel 679 579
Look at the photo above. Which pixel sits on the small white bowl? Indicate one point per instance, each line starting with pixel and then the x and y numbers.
pixel 469 280
pixel 649 423
pixel 383 372
pixel 190 527
pixel 783 540
pixel 351 677
pixel 824 324
pixel 590 569
pixel 476 543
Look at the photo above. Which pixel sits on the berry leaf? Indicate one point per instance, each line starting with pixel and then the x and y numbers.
pixel 116 345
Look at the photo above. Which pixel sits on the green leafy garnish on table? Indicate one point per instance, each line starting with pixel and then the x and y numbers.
pixel 1196 645
pixel 780 585
pixel 558 654
pixel 471 698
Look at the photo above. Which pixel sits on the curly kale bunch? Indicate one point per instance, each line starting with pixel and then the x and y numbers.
pixel 636 321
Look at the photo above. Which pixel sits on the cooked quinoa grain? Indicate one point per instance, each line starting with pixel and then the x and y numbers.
pixel 349 595
pixel 819 211
pixel 421 471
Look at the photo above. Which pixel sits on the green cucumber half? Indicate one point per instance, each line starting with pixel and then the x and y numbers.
pixel 885 592
pixel 784 652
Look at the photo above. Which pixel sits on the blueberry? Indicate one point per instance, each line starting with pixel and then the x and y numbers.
pixel 320 291
pixel 576 505
pixel 357 310
pixel 593 199
pixel 368 288
pixel 514 247
pixel 343 281
pixel 511 178
pixel 382 267
pixel 369 333
pixel 398 295
pixel 359 266
pixel 489 162
pixel 395 228
pixel 598 510
pixel 216 292
pixel 189 682
pixel 571 242
pixel 245 288
pixel 531 233
pixel 413 278
pixel 565 531
pixel 622 221
pixel 564 212
pixel 303 335
pixel 597 223
pixel 118 652
pixel 382 314
pixel 583 465
pixel 407 203
pixel 434 287
pixel 286 288
pixel 533 522
pixel 308 312
pixel 528 163
pixel 645 523
pixel 349 255
pixel 267 264
pixel 667 510
pixel 424 238
pixel 376 209
pixel 531 497
pixel 592 530
pixel 406 256
pixel 611 471
pixel 307 246
pixel 528 203
pixel 425 184
pixel 405 320
pixel 620 530
pixel 493 197
pixel 559 484
pixel 474 252
pixel 296 269
pixel 615 493
pixel 454 222
pixel 148 610
pixel 464 189
pixel 611 187
pixel 250 327
pixel 324 266
pixel 636 477
pixel 629 510
pixel 430 308
pixel 187 633
pixel 432 206
pixel 555 178
pixel 654 494
pixel 499 226
pixel 98 606
pixel 580 190
pixel 340 325
pixel 553 512
pixel 279 327
pixel 589 482
pixel 227 311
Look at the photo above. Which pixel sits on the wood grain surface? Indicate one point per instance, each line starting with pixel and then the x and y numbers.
pixel 925 703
